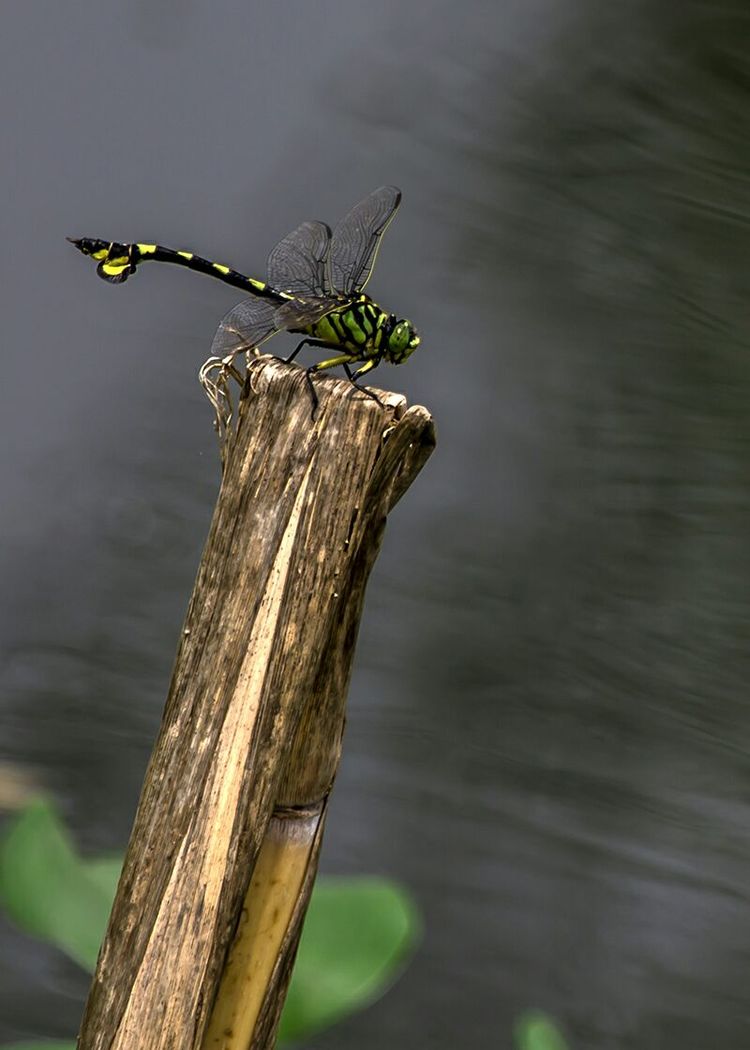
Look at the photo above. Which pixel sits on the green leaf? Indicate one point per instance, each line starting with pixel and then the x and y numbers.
pixel 535 1031
pixel 48 890
pixel 356 936
pixel 105 871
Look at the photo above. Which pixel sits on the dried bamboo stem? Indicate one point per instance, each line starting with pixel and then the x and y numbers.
pixel 252 728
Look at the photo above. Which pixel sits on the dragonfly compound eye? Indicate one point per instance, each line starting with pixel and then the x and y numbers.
pixel 403 341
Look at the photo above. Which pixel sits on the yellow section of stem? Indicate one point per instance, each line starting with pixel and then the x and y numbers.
pixel 266 914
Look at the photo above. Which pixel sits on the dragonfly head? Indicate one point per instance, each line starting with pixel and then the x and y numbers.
pixel 402 341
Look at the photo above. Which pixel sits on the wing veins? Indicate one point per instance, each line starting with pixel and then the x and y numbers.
pixel 356 241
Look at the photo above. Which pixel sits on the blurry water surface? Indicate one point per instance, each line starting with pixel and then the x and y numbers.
pixel 548 730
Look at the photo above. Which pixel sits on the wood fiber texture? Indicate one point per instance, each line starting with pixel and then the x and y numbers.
pixel 255 712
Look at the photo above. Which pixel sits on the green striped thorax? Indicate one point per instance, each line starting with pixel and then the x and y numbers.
pixel 366 331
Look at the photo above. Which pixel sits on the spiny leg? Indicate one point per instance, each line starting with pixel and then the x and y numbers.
pixel 352 377
pixel 368 366
pixel 331 362
pixel 308 342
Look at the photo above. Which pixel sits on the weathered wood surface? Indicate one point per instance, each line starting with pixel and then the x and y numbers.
pixel 255 711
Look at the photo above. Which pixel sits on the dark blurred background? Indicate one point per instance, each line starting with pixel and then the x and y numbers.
pixel 548 730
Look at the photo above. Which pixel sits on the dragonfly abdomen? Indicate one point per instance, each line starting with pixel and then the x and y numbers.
pixel 213 269
pixel 118 261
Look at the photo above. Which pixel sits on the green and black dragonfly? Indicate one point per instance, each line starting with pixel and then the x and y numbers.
pixel 315 287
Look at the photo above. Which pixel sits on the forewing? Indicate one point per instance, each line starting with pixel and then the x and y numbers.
pixel 246 326
pixel 296 314
pixel 297 264
pixel 355 241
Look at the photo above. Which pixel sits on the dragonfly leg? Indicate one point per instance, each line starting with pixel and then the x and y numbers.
pixel 368 366
pixel 298 347
pixel 331 362
pixel 313 393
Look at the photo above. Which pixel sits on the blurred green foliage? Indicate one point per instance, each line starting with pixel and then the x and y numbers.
pixel 357 935
pixel 536 1031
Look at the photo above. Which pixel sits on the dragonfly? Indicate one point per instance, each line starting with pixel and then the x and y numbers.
pixel 315 288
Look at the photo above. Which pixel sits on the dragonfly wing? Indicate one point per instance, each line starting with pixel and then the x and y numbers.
pixel 296 315
pixel 297 264
pixel 355 241
pixel 246 326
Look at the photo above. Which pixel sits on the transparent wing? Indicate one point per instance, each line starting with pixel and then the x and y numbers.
pixel 297 264
pixel 296 314
pixel 247 325
pixel 355 241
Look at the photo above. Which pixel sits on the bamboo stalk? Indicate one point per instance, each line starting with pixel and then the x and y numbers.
pixel 268 923
pixel 234 797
